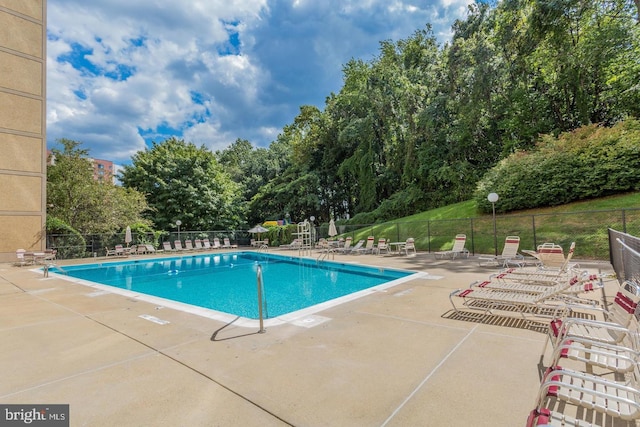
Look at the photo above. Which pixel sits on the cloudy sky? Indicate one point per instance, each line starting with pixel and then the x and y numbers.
pixel 123 73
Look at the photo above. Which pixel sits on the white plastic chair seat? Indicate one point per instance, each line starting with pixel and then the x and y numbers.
pixel 589 391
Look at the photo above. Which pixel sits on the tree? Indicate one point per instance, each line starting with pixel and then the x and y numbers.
pixel 186 183
pixel 81 202
pixel 251 167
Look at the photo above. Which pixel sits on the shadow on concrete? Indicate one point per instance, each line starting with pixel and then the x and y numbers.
pixel 214 337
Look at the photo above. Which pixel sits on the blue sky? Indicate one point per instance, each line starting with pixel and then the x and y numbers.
pixel 123 73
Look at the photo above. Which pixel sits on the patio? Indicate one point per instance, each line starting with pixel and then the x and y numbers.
pixel 394 358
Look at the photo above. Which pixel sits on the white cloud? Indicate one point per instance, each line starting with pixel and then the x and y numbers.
pixel 208 71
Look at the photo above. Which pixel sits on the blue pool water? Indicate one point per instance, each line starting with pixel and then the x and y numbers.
pixel 227 282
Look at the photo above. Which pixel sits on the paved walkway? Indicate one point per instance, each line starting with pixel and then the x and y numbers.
pixel 395 358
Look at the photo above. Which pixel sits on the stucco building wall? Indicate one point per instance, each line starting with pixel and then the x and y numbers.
pixel 22 126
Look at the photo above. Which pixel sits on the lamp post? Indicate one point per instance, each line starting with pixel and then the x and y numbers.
pixel 493 198
pixel 178 223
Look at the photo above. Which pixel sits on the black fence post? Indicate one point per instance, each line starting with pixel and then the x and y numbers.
pixel 473 247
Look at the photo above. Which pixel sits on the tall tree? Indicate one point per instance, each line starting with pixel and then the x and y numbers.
pixel 89 206
pixel 186 183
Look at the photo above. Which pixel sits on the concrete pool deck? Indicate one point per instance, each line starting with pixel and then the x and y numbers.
pixel 399 357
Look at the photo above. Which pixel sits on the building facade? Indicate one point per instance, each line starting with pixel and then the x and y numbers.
pixel 103 170
pixel 23 171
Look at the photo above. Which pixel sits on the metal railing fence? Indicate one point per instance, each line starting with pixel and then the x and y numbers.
pixel 625 255
pixel 589 229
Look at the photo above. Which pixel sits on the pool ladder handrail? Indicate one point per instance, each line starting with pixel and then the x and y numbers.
pixel 324 254
pixel 259 280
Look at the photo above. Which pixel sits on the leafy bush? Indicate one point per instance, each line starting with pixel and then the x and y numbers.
pixel 146 235
pixel 592 161
pixel 65 239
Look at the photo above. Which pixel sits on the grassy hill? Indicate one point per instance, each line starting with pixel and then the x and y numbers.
pixel 468 209
pixel 585 222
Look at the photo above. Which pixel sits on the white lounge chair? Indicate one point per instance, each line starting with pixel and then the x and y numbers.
pixel 21 258
pixel 523 303
pixel 50 254
pixel 188 245
pixel 579 284
pixel 295 244
pixel 619 400
pixel 227 244
pixel 347 246
pixel 139 249
pixel 368 248
pixel 122 251
pixel 352 249
pixel 382 246
pixel 542 275
pixel 167 247
pixel 549 256
pixel 613 330
pixel 611 357
pixel 119 251
pixel 216 243
pixel 508 256
pixel 410 246
pixel 177 244
pixel 457 249
pixel 322 244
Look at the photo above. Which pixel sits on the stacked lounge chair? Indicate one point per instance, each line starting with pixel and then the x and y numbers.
pixel 527 291
pixel 602 387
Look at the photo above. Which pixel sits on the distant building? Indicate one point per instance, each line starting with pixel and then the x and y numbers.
pixel 103 170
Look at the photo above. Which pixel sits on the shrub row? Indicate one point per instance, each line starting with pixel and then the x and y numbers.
pixel 592 161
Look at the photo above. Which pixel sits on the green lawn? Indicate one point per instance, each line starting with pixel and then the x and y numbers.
pixel 585 222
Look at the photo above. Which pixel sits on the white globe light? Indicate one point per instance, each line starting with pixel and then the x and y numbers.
pixel 493 197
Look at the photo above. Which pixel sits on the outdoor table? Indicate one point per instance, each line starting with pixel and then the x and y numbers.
pixel 397 245
pixel 259 243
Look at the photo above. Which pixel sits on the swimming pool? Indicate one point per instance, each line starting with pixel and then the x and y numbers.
pixel 227 282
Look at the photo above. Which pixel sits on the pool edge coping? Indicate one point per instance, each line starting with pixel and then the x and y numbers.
pixel 294 317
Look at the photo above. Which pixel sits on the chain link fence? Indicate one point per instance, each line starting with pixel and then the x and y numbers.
pixel 589 229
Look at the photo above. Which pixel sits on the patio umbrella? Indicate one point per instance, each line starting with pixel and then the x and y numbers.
pixel 332 229
pixel 127 236
pixel 257 230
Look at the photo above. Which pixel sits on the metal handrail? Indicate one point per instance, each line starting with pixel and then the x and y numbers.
pixel 259 280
